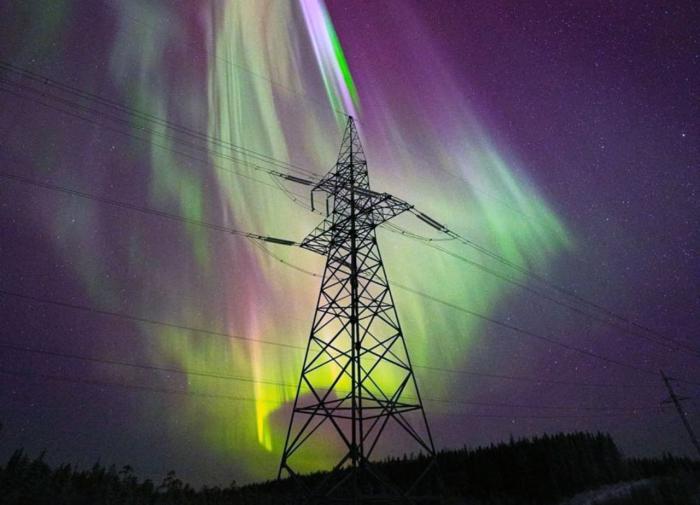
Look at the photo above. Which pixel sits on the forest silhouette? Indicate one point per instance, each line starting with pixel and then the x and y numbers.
pixel 539 470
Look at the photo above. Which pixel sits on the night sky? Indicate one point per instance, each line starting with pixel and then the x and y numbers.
pixel 561 136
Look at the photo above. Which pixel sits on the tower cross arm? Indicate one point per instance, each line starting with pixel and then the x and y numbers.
pixel 377 207
pixel 386 206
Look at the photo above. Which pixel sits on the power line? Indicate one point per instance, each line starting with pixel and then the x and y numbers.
pixel 287 242
pixel 561 303
pixel 544 407
pixel 141 366
pixel 525 271
pixel 389 226
pixel 273 240
pixel 215 375
pixel 182 129
pixel 539 417
pixel 175 217
pixel 139 319
pixel 513 328
pixel 203 331
pixel 138 114
pixel 115 105
pixel 519 378
pixel 310 99
pixel 146 210
pixel 149 117
pixel 208 150
pixel 525 332
pixel 420 215
pixel 274 175
pixel 150 389
pixel 136 387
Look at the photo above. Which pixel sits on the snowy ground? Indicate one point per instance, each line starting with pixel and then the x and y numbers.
pixel 619 490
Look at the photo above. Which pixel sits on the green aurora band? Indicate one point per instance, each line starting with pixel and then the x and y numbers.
pixel 235 70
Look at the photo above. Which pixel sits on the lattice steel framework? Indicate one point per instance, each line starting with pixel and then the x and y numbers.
pixel 357 377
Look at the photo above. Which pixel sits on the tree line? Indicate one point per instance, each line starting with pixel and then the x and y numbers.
pixel 538 470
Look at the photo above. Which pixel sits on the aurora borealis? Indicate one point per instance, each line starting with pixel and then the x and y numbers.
pixel 563 138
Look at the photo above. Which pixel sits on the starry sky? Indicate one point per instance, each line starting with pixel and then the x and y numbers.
pixel 560 137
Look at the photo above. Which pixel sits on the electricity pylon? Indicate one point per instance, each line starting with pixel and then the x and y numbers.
pixel 357 379
pixel 676 400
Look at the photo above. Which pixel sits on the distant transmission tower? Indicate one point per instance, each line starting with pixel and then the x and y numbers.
pixel 677 400
pixel 357 380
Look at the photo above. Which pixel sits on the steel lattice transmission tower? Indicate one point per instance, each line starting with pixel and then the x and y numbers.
pixel 357 380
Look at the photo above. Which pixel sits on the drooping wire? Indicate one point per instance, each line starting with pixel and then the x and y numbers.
pixel 422 216
pixel 144 116
pixel 525 332
pixel 542 279
pixel 145 210
pixel 573 308
pixel 389 226
pixel 274 175
pixel 215 375
pixel 213 333
pixel 40 98
pixel 288 242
